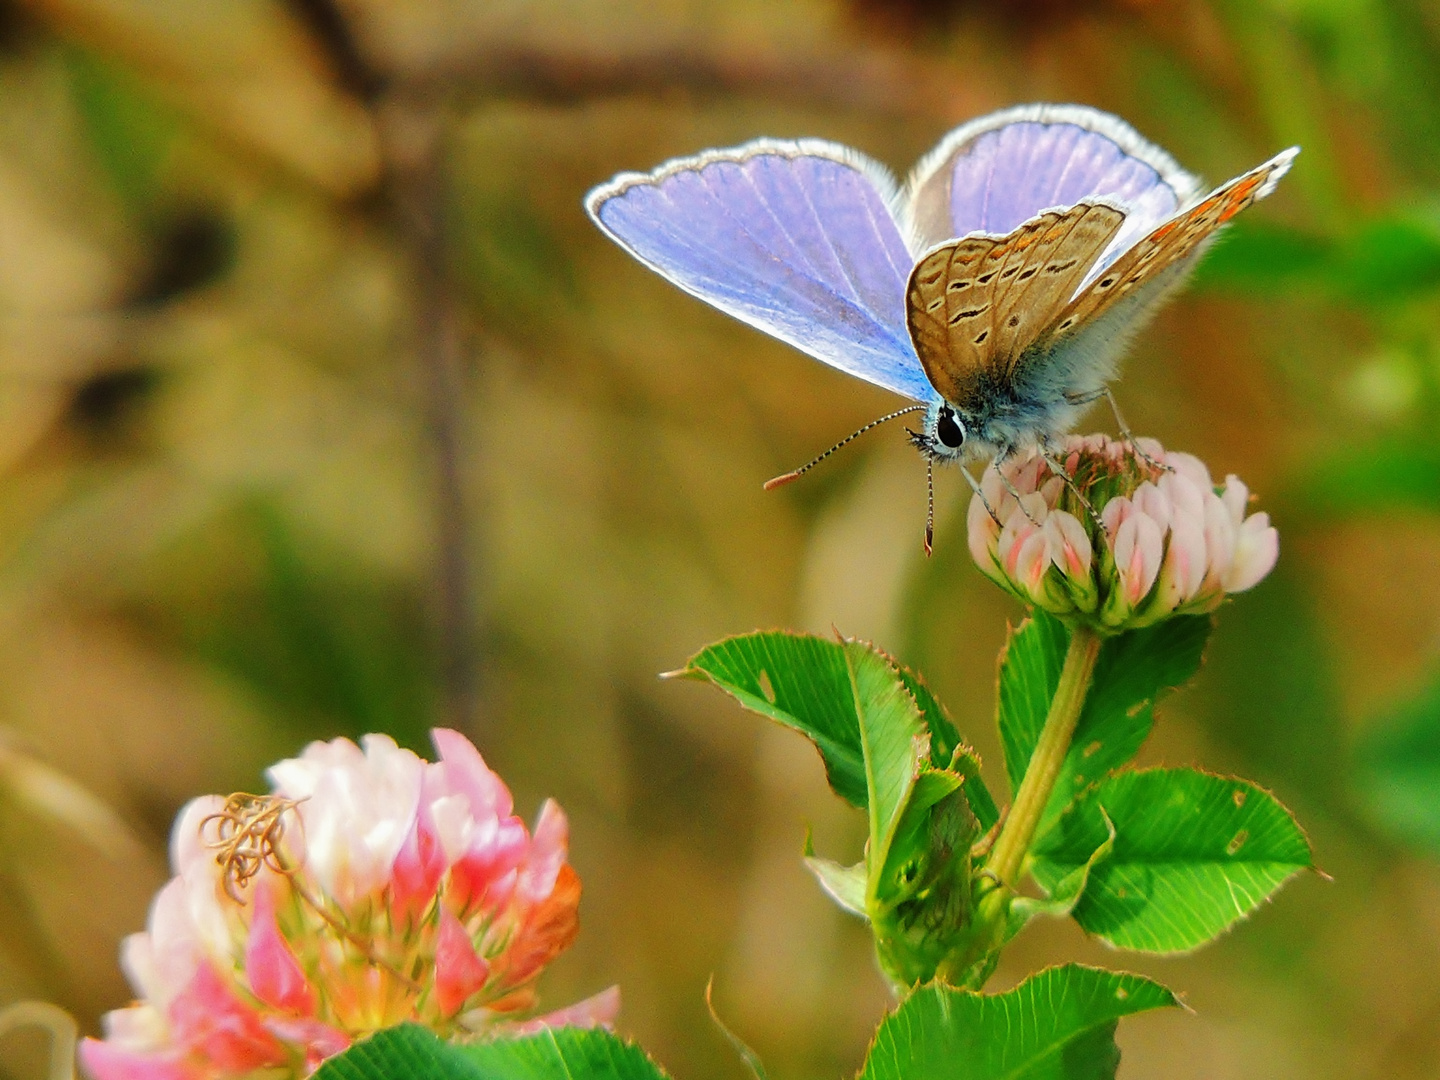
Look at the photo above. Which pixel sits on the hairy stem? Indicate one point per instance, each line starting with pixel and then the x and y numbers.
pixel 972 965
pixel 1011 846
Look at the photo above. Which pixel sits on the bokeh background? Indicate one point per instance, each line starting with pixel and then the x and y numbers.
pixel 324 410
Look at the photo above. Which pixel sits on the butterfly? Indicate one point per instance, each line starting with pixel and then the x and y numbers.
pixel 996 290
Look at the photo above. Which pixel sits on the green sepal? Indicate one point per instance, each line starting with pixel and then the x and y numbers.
pixel 844 884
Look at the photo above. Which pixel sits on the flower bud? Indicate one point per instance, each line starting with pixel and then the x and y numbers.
pixel 1152 542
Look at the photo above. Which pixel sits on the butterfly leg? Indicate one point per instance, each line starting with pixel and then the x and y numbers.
pixel 1129 436
pixel 1126 434
pixel 975 487
pixel 1003 456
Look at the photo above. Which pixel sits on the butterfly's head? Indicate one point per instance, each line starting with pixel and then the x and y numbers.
pixel 943 434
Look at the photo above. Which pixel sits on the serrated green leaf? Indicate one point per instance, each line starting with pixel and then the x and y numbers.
pixel 409 1052
pixel 1133 669
pixel 564 1053
pixel 911 841
pixel 1194 853
pixel 1397 775
pixel 947 750
pixel 401 1053
pixel 800 681
pixel 1056 1025
pixel 965 763
pixel 803 682
pixel 894 742
pixel 944 739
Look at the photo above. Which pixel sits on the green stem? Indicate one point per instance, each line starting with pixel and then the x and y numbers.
pixel 1007 858
pixel 1013 844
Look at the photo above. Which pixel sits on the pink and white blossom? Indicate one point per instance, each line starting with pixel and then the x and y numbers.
pixel 1152 542
pixel 370 888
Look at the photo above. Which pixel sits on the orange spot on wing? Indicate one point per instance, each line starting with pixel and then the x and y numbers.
pixel 1246 186
pixel 1239 197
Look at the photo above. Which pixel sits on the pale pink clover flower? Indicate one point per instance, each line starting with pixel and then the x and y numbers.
pixel 1168 540
pixel 400 890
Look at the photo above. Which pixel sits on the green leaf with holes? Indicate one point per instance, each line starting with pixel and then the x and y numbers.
pixel 1132 671
pixel 803 682
pixel 409 1052
pixel 1056 1025
pixel 1193 854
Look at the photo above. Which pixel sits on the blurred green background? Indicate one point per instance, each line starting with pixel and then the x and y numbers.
pixel 324 410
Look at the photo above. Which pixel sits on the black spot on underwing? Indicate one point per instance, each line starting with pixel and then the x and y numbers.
pixel 968 313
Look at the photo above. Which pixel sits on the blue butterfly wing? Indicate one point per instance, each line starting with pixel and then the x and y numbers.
pixel 798 239
pixel 999 171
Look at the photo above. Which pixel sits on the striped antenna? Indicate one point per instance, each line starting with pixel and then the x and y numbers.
pixel 930 504
pixel 771 485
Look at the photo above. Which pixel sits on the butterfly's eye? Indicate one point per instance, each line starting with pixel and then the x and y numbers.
pixel 949 430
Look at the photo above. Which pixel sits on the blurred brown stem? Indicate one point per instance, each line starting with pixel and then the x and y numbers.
pixel 409 117
pixel 412 148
